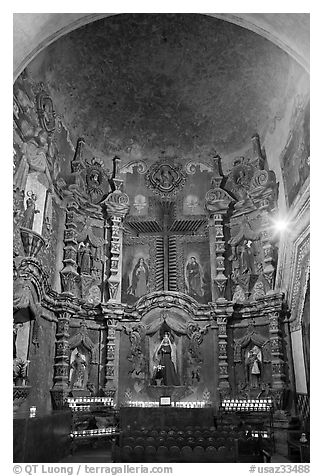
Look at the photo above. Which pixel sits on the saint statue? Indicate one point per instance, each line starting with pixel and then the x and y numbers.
pixel 29 213
pixel 85 258
pixel 246 257
pixel 139 281
pixel 165 357
pixel 253 361
pixel 194 278
pixel 79 371
pixel 36 157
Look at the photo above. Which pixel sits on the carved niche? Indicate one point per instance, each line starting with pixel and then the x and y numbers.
pixel 83 355
pixel 251 355
pixel 246 263
pixel 195 360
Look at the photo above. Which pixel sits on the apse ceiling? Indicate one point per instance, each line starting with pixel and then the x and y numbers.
pixel 140 84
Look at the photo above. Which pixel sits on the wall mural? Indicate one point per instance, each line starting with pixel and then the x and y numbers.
pixel 295 157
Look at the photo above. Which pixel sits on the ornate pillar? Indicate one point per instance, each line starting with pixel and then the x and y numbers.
pixel 217 202
pixel 221 312
pixel 117 206
pixel 277 362
pixel 69 274
pixel 224 385
pixel 114 280
pixel 112 353
pixel 61 367
pixel 268 268
pixel 220 279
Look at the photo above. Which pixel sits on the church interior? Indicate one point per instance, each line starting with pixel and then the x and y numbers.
pixel 161 237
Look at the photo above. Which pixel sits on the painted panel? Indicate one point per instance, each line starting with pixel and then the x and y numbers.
pixel 195 269
pixel 137 279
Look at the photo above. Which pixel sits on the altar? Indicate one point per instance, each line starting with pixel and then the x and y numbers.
pixel 166 417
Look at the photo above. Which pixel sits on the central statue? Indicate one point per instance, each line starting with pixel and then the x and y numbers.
pixel 165 358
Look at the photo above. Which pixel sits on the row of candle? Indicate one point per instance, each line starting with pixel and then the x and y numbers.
pixel 191 404
pixel 248 401
pixel 80 408
pixel 257 434
pixel 246 409
pixel 173 404
pixel 99 431
pixel 253 405
pixel 142 404
pixel 105 400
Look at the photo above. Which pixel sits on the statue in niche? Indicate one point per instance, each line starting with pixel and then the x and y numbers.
pixel 139 279
pixel 242 259
pixel 16 327
pixel 136 357
pixel 246 257
pixel 253 360
pixel 194 277
pixel 37 156
pixel 79 373
pixel 165 359
pixel 85 258
pixel 30 212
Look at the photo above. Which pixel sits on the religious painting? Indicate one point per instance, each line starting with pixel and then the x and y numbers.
pixel 295 157
pixel 196 269
pixel 137 277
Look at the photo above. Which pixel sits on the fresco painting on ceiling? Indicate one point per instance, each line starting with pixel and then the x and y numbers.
pixel 136 276
pixel 295 157
pixel 197 271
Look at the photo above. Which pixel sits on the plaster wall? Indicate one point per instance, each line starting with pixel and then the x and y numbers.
pixel 298 358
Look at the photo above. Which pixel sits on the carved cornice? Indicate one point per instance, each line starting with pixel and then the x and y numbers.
pixel 31 271
pixel 167 299
pixel 263 306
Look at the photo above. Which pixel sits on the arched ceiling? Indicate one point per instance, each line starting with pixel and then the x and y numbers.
pixel 34 31
pixel 137 84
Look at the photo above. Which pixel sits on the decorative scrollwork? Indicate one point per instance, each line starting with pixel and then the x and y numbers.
pixel 191 167
pixel 260 178
pixel 128 168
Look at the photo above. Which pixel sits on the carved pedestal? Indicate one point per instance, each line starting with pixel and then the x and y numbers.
pixel 32 242
pixel 20 394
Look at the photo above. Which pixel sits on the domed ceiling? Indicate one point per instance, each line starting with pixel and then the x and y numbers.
pixel 140 84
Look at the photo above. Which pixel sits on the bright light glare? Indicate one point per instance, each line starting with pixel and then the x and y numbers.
pixel 281 225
